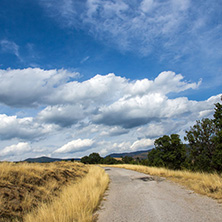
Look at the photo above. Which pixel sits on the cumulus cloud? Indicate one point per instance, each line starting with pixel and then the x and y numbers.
pixel 127 113
pixel 74 146
pixel 34 86
pixel 15 150
pixel 62 115
pixel 31 86
pixel 110 100
pixel 136 111
pixel 23 128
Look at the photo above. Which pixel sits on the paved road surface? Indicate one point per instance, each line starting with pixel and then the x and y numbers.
pixel 134 197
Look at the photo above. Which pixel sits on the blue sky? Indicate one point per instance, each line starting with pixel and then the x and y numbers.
pixel 104 76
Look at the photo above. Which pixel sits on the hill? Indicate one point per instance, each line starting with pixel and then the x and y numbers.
pixel 140 154
pixel 45 159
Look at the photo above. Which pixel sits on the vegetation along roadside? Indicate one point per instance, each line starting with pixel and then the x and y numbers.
pixel 58 191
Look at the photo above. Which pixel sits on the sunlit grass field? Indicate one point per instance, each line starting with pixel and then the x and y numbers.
pixel 202 183
pixel 59 191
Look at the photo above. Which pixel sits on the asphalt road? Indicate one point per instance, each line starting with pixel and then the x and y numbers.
pixel 134 197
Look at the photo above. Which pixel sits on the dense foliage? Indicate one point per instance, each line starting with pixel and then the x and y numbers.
pixel 169 152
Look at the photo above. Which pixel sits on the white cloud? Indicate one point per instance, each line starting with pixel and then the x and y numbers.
pixel 142 144
pixel 74 146
pixel 15 150
pixel 54 87
pixel 31 86
pixel 100 99
pixel 129 146
pixel 23 128
pixel 63 115
pixel 114 131
pixel 126 114
pixel 170 82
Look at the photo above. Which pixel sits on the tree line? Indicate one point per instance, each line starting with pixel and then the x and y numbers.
pixel 95 158
pixel 202 153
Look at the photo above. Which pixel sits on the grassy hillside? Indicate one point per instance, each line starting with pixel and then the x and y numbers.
pixel 26 187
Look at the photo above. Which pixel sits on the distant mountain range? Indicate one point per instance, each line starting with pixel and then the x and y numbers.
pixel 45 159
pixel 140 154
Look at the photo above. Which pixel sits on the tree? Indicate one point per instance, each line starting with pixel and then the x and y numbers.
pixel 155 158
pixel 169 152
pixel 128 159
pixel 201 144
pixel 217 156
pixel 110 160
pixel 85 160
pixel 93 158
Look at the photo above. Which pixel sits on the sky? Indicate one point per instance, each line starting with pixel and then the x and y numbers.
pixel 83 76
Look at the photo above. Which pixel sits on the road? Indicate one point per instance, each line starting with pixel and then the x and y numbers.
pixel 136 197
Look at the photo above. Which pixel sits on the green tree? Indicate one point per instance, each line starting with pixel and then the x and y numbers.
pixel 201 144
pixel 169 152
pixel 217 155
pixel 110 160
pixel 85 160
pixel 155 158
pixel 93 158
pixel 128 160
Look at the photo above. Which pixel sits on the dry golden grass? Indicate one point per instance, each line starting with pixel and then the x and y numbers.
pixel 24 186
pixel 202 183
pixel 118 158
pixel 76 202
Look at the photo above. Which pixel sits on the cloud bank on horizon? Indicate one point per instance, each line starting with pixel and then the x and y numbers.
pixel 82 76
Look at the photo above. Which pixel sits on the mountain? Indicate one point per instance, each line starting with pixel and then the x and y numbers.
pixel 140 154
pixel 45 159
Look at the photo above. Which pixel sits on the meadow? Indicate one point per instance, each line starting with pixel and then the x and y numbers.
pixel 59 191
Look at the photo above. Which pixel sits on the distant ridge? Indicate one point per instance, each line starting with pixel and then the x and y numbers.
pixel 45 159
pixel 142 154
